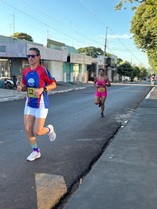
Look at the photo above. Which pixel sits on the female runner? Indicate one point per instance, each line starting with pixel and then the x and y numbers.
pixel 101 81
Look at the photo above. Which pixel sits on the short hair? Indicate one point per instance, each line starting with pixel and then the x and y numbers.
pixel 36 50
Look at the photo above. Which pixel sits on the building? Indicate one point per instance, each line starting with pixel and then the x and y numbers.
pixel 112 68
pixel 63 62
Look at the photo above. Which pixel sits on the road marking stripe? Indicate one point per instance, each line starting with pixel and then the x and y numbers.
pixel 149 94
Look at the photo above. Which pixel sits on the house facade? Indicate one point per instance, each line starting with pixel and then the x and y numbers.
pixel 75 68
pixel 63 61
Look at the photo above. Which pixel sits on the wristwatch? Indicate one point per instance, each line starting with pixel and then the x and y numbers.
pixel 45 89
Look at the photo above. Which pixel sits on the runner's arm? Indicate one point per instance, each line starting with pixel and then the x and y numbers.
pixel 21 87
pixel 39 91
pixel 108 82
pixel 95 82
pixel 50 87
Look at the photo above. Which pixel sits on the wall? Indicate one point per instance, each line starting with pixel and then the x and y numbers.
pixel 15 67
pixel 56 70
pixel 75 74
pixel 75 69
pixel 83 73
pixel 14 49
pixel 80 58
pixel 51 54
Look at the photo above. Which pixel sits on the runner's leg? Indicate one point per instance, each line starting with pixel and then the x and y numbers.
pixel 97 100
pixel 103 99
pixel 39 128
pixel 29 128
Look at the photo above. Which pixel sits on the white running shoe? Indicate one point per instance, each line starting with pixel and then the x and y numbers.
pixel 34 155
pixel 51 134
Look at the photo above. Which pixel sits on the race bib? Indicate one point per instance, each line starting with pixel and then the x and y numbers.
pixel 30 93
pixel 101 90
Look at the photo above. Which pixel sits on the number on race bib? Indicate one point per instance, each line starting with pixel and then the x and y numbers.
pixel 30 92
pixel 101 90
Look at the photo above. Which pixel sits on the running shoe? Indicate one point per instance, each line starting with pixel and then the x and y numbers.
pixel 102 114
pixel 99 104
pixel 51 134
pixel 34 155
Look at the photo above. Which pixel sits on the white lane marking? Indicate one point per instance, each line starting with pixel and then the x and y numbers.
pixel 50 189
pixel 149 94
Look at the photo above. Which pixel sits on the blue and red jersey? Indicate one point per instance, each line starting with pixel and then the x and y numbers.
pixel 37 78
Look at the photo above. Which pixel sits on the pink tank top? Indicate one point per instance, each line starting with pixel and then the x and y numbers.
pixel 101 91
pixel 98 82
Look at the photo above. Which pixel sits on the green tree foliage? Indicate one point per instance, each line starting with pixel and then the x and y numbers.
pixel 23 36
pixel 135 72
pixel 144 28
pixel 126 69
pixel 132 71
pixel 122 2
pixel 119 60
pixel 91 51
pixel 143 74
pixel 152 56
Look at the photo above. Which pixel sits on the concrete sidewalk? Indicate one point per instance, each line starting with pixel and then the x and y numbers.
pixel 125 176
pixel 12 94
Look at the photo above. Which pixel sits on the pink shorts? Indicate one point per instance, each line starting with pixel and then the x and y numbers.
pixel 101 92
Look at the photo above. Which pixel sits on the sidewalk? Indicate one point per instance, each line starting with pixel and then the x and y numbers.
pixel 12 94
pixel 125 176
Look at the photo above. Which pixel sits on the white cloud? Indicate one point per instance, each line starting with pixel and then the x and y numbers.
pixel 123 36
pixel 116 36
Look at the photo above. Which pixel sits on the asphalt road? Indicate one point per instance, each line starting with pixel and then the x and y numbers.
pixel 82 136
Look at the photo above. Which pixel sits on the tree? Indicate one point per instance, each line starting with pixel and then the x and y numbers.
pixel 119 60
pixel 144 24
pixel 91 51
pixel 126 69
pixel 143 73
pixel 23 36
pixel 121 3
pixel 144 28
pixel 135 72
pixel 152 56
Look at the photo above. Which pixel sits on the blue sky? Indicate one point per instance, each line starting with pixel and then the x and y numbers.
pixel 78 23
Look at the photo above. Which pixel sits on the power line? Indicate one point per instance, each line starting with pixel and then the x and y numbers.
pixel 96 16
pixel 50 24
pixel 50 19
pixel 125 47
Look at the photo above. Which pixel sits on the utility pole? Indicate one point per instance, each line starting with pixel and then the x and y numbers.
pixel 105 46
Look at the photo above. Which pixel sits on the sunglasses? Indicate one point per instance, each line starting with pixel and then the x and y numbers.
pixel 31 55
